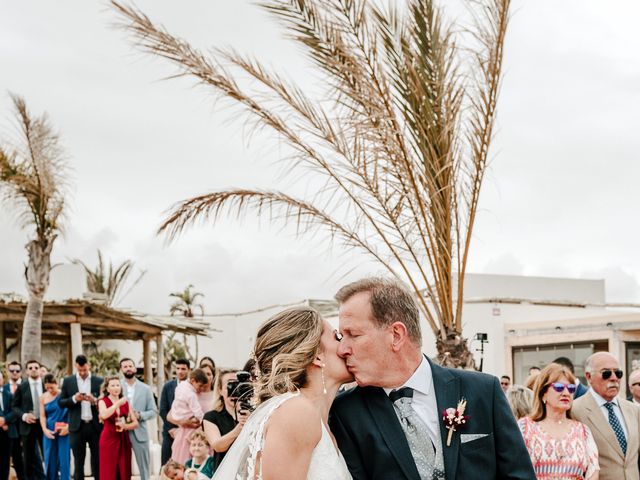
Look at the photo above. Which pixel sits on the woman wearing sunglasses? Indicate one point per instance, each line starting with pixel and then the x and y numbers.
pixel 559 446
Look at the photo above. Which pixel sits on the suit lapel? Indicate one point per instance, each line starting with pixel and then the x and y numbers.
pixel 447 390
pixel 384 415
pixel 599 423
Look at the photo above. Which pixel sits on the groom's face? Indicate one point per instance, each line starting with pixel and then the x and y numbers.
pixel 365 347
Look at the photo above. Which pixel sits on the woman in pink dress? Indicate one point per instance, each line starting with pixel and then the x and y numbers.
pixel 187 413
pixel 206 396
pixel 560 447
pixel 115 445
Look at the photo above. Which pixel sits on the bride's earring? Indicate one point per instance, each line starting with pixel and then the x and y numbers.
pixel 324 385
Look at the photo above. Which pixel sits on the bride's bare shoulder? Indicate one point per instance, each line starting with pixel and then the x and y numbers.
pixel 298 416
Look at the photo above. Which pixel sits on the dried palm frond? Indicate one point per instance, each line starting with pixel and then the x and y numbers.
pixel 400 137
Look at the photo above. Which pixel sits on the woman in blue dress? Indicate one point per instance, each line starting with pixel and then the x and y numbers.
pixel 55 427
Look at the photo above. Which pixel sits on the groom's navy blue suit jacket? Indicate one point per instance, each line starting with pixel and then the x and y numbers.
pixel 371 439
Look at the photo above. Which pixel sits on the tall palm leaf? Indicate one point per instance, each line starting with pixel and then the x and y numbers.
pixel 109 281
pixel 33 181
pixel 400 138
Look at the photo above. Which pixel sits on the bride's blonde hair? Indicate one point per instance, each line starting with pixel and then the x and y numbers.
pixel 286 345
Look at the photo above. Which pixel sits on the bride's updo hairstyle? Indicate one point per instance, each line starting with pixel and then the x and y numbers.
pixel 286 345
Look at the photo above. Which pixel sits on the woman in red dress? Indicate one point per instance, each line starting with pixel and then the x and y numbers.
pixel 115 446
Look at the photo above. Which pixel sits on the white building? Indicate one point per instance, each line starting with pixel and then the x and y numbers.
pixel 528 321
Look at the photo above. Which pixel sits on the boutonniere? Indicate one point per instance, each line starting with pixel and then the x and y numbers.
pixel 454 418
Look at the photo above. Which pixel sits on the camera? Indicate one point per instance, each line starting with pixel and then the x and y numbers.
pixel 240 390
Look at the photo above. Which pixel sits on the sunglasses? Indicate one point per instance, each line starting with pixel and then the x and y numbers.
pixel 559 387
pixel 14 370
pixel 606 374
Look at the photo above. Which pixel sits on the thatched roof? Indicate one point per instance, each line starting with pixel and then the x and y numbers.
pixel 99 322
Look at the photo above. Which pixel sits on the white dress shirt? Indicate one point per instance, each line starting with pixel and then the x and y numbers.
pixel 616 409
pixel 34 385
pixel 424 401
pixel 84 386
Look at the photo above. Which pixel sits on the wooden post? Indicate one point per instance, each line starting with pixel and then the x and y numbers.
pixel 76 340
pixel 160 375
pixel 3 343
pixel 146 354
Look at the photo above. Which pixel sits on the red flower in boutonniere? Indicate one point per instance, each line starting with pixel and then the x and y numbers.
pixel 454 418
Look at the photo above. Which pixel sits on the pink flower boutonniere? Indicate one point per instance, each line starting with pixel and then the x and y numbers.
pixel 454 418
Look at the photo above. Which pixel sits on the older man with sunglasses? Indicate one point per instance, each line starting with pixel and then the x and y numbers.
pixel 614 422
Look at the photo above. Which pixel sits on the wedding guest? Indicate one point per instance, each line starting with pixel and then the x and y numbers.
pixel 14 370
pixel 115 444
pixel 5 448
pixel 182 369
pixel 207 361
pixel 200 459
pixel 173 470
pixel 143 406
pixel 43 370
pixel 559 446
pixel 613 421
pixel 206 395
pixel 520 400
pixel 634 387
pixel 505 383
pixel 55 426
pixel 566 362
pixel 25 406
pixel 79 394
pixel 187 413
pixel 223 424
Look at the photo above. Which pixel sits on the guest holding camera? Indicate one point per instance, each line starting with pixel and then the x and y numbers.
pixel 55 426
pixel 79 395
pixel 115 444
pixel 223 424
pixel 559 446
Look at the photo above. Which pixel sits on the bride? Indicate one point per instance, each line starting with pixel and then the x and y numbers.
pixel 299 375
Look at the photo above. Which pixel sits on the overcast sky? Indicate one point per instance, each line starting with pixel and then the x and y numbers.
pixel 561 197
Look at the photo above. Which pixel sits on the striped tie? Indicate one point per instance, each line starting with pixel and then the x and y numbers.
pixel 617 428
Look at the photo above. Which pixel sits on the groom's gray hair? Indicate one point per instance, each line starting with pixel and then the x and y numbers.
pixel 390 300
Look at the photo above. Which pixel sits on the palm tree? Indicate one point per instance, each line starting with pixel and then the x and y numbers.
pixel 33 175
pixel 400 138
pixel 109 281
pixel 185 306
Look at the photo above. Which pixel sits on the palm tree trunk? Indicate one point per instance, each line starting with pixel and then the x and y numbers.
pixel 37 276
pixel 453 350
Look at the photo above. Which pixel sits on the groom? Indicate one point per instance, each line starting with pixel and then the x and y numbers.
pixel 390 427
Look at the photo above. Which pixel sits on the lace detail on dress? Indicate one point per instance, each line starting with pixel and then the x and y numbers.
pixel 240 462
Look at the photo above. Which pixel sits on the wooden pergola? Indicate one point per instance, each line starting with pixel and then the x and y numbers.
pixel 73 321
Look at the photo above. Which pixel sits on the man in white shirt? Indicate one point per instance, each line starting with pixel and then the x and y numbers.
pixel 614 422
pixel 14 370
pixel 391 425
pixel 79 394
pixel 26 407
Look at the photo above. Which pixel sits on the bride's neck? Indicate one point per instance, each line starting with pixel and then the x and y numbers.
pixel 314 391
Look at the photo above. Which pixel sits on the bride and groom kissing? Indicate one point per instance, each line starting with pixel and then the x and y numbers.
pixel 407 418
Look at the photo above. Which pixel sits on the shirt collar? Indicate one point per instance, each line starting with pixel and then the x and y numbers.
pixel 421 380
pixel 34 382
pixel 80 379
pixel 601 401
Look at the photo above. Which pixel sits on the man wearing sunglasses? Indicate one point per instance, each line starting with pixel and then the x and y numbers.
pixel 15 445
pixel 614 422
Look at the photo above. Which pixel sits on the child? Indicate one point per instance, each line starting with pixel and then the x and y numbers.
pixel 200 460
pixel 173 470
pixel 186 408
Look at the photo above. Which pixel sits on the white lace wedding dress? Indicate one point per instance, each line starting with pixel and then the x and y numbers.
pixel 240 461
